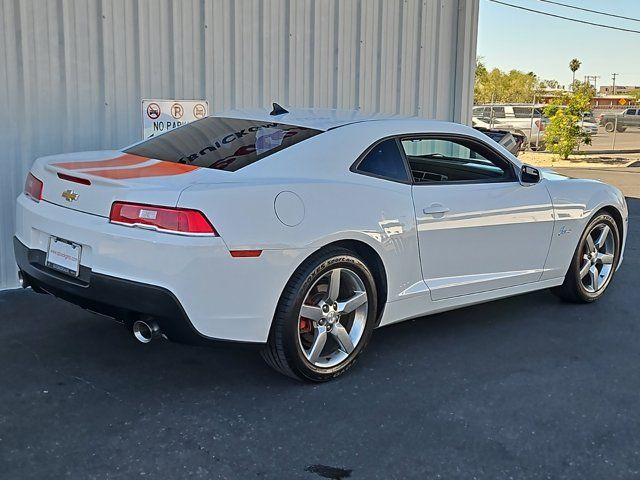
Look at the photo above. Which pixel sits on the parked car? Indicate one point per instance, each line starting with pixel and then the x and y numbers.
pixel 588 127
pixel 526 120
pixel 301 232
pixel 587 123
pixel 623 120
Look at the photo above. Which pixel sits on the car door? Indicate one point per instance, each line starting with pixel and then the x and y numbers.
pixel 479 228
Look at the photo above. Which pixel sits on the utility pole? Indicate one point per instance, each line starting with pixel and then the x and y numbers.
pixel 613 77
pixel 595 81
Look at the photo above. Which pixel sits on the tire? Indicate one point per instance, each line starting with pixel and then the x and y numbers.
pixel 585 281
pixel 609 127
pixel 293 347
pixel 622 129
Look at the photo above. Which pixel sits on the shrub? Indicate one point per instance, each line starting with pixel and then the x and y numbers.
pixel 563 134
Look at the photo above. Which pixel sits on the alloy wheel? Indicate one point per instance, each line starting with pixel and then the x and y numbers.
pixel 333 317
pixel 598 256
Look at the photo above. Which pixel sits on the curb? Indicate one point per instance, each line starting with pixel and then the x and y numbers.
pixel 607 152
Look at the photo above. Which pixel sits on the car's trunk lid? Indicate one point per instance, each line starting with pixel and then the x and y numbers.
pixel 91 181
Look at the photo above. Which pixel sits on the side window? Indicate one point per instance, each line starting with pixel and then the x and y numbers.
pixel 631 111
pixel 522 112
pixel 442 160
pixel 495 112
pixel 385 160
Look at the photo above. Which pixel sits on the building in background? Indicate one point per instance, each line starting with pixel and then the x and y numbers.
pixel 75 71
pixel 598 102
pixel 619 89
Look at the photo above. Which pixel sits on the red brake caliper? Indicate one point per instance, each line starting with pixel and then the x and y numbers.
pixel 305 325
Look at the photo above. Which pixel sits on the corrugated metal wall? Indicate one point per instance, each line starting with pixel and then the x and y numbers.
pixel 73 72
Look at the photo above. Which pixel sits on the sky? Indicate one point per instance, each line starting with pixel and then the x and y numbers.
pixel 515 39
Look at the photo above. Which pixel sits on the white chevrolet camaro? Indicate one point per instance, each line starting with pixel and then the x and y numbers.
pixel 303 231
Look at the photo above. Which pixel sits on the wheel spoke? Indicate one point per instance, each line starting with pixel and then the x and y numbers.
pixel 343 338
pixel 590 245
pixel 334 284
pixel 311 312
pixel 606 258
pixel 318 344
pixel 358 299
pixel 602 238
pixel 593 277
pixel 584 270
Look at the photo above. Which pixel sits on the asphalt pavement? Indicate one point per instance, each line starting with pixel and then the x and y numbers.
pixel 627 140
pixel 524 388
pixel 626 179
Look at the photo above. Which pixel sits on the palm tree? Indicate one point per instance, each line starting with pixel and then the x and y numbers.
pixel 574 65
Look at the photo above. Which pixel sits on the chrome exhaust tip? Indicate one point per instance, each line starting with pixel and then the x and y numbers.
pixel 145 331
pixel 24 283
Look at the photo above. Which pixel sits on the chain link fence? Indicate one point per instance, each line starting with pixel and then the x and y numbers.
pixel 613 129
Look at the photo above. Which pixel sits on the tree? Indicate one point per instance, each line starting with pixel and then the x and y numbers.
pixel 498 86
pixel 481 69
pixel 563 134
pixel 574 66
pixel 552 84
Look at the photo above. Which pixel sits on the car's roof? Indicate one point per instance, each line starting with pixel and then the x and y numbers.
pixel 317 118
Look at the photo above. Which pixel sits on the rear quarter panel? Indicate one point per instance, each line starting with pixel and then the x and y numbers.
pixel 376 212
pixel 338 205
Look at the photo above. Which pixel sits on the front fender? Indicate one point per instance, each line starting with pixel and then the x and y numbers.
pixel 575 202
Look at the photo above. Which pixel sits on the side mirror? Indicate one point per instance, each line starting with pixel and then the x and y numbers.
pixel 529 175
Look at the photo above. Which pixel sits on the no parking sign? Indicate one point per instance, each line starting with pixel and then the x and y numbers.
pixel 159 116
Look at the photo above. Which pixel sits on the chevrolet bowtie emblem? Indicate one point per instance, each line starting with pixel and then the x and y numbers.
pixel 70 195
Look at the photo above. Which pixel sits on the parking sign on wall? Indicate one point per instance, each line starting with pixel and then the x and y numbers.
pixel 159 116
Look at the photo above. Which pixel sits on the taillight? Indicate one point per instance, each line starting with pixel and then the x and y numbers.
pixel 33 188
pixel 540 125
pixel 172 220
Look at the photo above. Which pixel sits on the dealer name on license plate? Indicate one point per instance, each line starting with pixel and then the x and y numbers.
pixel 64 256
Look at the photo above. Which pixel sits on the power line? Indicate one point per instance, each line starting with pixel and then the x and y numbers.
pixel 565 18
pixel 598 12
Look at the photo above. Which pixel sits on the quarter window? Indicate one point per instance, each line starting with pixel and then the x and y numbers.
pixel 435 160
pixel 385 160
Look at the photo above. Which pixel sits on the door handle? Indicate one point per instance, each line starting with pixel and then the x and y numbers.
pixel 435 209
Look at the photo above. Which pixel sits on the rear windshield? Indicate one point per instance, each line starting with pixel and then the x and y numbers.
pixel 222 143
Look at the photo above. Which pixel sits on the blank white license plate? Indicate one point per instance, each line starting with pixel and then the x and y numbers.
pixel 64 256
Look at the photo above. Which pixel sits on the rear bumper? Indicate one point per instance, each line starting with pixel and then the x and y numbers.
pixel 193 280
pixel 116 297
